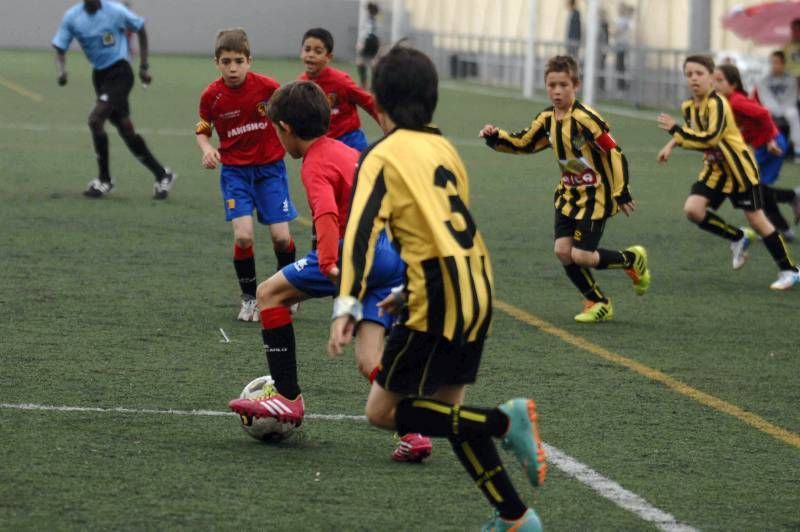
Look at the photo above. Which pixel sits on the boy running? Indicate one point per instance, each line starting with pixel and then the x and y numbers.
pixel 301 116
pixel 413 182
pixel 729 171
pixel 342 92
pixel 593 186
pixel 253 174
pixel 100 27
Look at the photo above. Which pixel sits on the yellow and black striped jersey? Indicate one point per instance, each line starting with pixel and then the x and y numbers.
pixel 414 184
pixel 710 127
pixel 594 171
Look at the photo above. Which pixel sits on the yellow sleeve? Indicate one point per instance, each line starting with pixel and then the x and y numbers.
pixel 693 139
pixel 369 210
pixel 530 140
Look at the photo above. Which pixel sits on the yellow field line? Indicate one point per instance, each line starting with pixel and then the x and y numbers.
pixel 653 374
pixel 21 90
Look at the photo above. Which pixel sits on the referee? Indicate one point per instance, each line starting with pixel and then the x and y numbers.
pixel 100 27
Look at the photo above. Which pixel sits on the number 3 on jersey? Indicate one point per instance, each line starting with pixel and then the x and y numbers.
pixel 465 237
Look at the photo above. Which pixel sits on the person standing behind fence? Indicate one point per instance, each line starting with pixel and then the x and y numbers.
pixel 623 29
pixel 778 93
pixel 573 29
pixel 367 43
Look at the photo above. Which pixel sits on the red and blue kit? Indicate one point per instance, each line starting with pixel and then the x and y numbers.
pixel 328 172
pixel 343 95
pixel 239 114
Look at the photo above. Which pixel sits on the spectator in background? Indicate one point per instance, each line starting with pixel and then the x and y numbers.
pixel 602 42
pixel 573 29
pixel 623 33
pixel 792 50
pixel 778 93
pixel 367 43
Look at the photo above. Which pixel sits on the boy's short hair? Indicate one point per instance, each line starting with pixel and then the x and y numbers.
pixel 795 22
pixel 406 87
pixel 303 106
pixel 780 55
pixel 323 35
pixel 232 40
pixel 563 63
pixel 706 60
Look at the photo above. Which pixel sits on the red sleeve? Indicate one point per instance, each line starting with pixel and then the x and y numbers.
pixel 205 125
pixel 327 230
pixel 752 109
pixel 361 97
pixel 320 192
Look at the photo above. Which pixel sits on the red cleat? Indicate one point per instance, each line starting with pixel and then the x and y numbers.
pixel 275 406
pixel 412 447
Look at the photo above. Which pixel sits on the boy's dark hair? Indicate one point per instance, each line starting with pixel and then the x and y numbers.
pixel 372 8
pixel 796 22
pixel 705 60
pixel 780 55
pixel 563 63
pixel 232 40
pixel 302 105
pixel 732 76
pixel 406 87
pixel 323 35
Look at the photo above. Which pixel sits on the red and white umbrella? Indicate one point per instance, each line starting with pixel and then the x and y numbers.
pixel 767 23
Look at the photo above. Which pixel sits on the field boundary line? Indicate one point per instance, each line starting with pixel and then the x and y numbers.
pixel 703 398
pixel 19 89
pixel 605 487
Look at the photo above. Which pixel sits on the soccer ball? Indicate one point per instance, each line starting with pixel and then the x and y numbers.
pixel 263 428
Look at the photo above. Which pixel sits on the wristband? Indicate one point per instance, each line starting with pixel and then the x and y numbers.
pixel 347 306
pixel 399 295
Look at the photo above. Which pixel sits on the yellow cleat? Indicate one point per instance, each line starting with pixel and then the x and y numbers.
pixel 595 311
pixel 639 272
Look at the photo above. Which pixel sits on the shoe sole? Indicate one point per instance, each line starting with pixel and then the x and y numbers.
pixel 537 472
pixel 608 316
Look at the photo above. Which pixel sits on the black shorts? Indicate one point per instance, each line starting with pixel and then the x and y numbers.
pixel 113 85
pixel 585 234
pixel 749 200
pixel 417 363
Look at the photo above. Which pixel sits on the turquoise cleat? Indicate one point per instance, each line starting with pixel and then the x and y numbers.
pixel 529 522
pixel 522 437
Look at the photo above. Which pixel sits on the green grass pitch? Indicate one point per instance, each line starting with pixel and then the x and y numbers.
pixel 118 303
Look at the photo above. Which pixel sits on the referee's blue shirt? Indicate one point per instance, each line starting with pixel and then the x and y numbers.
pixel 101 34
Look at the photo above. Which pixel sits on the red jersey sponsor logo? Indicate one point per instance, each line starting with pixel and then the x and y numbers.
pixel 576 173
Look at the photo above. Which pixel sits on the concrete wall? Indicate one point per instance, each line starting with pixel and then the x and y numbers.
pixel 275 27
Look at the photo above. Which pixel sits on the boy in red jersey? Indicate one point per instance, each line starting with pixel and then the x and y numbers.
pixel 253 175
pixel 301 116
pixel 342 92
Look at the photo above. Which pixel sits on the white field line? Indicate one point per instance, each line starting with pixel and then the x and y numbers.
pixel 571 467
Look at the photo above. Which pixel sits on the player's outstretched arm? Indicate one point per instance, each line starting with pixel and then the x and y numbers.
pixel 144 66
pixel 61 66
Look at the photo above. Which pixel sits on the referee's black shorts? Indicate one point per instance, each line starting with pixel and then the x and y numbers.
pixel 113 85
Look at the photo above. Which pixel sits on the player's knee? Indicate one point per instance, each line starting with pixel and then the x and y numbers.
pixel 378 416
pixel 96 123
pixel 693 213
pixel 281 242
pixel 243 241
pixel 582 258
pixel 265 294
pixel 564 255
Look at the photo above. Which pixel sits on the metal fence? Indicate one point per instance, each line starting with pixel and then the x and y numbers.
pixel 643 77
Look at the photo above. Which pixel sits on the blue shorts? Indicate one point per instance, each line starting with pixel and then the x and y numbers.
pixel 356 139
pixel 769 164
pixel 388 271
pixel 263 187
